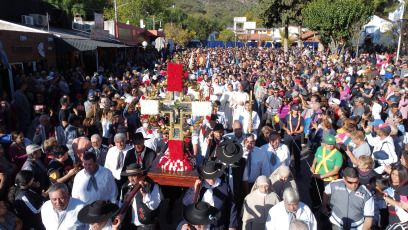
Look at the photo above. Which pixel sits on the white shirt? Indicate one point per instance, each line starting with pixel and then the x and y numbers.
pixel 62 220
pixel 151 200
pixel 244 119
pixel 107 189
pixel 208 196
pixel 151 143
pixel 112 160
pixel 218 89
pixel 386 145
pixel 108 225
pixel 278 219
pixel 259 165
pixel 282 155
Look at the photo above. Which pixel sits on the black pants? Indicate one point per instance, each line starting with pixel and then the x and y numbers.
pixel 316 189
pixel 294 144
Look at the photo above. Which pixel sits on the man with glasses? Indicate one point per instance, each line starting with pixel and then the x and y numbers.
pixel 352 204
pixel 98 148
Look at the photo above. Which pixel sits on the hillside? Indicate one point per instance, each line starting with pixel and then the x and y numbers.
pixel 223 10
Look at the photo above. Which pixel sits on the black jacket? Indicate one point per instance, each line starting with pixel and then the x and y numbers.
pixel 27 206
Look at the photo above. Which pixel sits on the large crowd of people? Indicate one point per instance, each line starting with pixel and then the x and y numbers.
pixel 73 147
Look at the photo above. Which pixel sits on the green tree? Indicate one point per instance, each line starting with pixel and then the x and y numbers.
pixel 203 25
pixel 177 33
pixel 135 10
pixel 84 7
pixel 334 19
pixel 282 34
pixel 281 12
pixel 226 35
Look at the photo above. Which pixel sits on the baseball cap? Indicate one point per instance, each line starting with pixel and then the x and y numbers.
pixel 385 128
pixel 296 87
pixel 335 101
pixel 295 94
pixel 330 140
pixel 376 122
pixel 295 107
pixel 32 148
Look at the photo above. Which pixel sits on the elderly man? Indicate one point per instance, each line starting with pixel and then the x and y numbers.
pixel 94 182
pixel 115 158
pixel 98 148
pixel 150 133
pixel 276 152
pixel 256 162
pixel 282 214
pixel 355 212
pixel 61 211
pixel 237 135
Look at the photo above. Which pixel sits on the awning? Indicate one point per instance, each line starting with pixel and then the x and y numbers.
pixel 65 45
pixel 3 57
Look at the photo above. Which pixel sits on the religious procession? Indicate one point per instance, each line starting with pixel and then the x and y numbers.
pixel 210 138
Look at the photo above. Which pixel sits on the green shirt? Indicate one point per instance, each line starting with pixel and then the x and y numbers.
pixel 335 160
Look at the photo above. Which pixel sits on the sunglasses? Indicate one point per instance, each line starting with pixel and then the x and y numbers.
pixel 352 182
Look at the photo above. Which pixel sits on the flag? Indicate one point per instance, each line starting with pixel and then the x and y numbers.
pixel 191 60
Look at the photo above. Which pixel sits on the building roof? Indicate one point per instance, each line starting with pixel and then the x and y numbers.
pixel 309 34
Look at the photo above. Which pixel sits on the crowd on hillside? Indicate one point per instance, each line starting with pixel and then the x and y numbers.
pixel 74 146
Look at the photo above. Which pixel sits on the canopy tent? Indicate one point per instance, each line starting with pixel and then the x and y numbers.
pixel 65 45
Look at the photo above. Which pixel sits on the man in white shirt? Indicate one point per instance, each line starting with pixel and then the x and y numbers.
pixel 143 207
pixel 61 211
pixel 256 162
pixel 94 182
pixel 115 158
pixel 281 215
pixel 237 135
pixel 239 99
pixel 247 122
pixel 276 152
pixel 150 133
pixel 218 88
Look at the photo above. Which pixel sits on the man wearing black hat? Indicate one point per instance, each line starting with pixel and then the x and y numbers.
pixel 212 141
pixel 99 215
pixel 215 192
pixel 293 125
pixel 200 215
pixel 140 153
pixel 144 205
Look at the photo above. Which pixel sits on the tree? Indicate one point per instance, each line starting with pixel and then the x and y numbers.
pixel 334 20
pixel 203 25
pixel 177 33
pixel 135 10
pixel 281 12
pixel 85 8
pixel 282 34
pixel 226 35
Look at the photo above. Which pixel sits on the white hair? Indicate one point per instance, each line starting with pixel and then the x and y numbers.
pixel 297 224
pixel 291 195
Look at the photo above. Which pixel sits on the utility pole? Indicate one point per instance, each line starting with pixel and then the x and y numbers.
pixel 154 23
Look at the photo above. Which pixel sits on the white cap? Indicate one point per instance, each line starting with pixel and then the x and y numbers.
pixel 314 88
pixel 334 101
